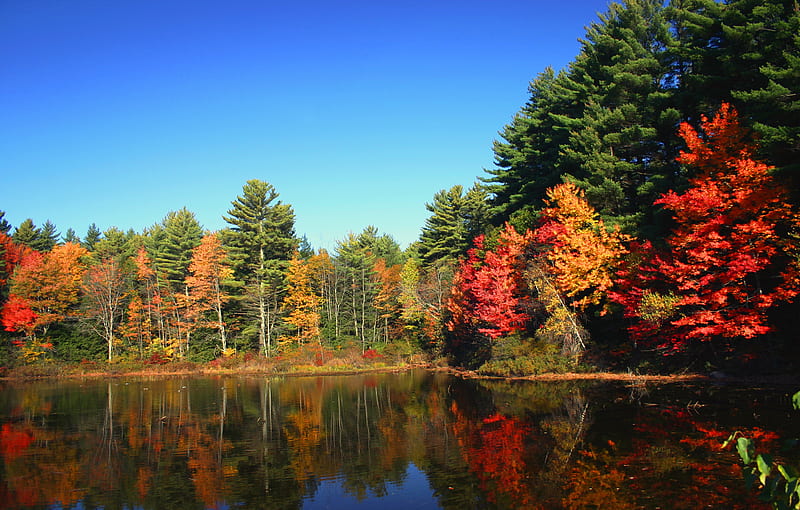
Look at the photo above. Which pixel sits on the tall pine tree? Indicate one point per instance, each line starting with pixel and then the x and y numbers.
pixel 260 243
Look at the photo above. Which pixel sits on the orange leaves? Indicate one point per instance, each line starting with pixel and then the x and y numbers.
pixel 581 252
pixel 724 265
pixel 208 270
pixel 301 301
pixel 48 283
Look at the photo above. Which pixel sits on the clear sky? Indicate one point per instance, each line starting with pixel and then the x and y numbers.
pixel 117 112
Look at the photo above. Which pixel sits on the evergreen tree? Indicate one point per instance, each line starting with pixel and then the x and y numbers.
pixel 5 226
pixel 379 246
pixel 767 33
pixel 527 160
pixel 182 234
pixel 260 243
pixel 743 52
pixel 27 233
pixel 356 260
pixel 623 153
pixel 456 219
pixel 115 244
pixel 93 235
pixel 305 249
pixel 71 237
pixel 48 237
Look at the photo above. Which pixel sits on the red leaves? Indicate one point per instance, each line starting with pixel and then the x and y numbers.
pixel 48 284
pixel 722 254
pixel 488 290
pixel 17 315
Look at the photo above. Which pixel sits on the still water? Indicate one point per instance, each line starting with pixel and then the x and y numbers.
pixel 390 441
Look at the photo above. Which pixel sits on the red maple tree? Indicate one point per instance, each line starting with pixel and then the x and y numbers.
pixel 488 289
pixel 727 261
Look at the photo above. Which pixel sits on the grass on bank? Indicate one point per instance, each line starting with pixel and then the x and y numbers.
pixel 303 359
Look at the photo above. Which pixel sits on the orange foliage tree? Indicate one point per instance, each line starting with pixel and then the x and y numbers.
pixel 301 302
pixel 207 272
pixel 387 299
pixel 47 284
pixel 573 264
pixel 143 311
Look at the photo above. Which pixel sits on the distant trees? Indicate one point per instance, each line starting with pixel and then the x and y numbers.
pixel 456 219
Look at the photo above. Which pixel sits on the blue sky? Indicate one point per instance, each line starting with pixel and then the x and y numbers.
pixel 117 112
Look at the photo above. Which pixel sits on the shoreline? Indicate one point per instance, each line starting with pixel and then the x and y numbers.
pixel 782 379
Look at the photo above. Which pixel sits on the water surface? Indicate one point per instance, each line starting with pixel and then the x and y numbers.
pixel 390 441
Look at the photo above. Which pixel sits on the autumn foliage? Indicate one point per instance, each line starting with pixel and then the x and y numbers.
pixel 727 260
pixel 489 293
pixel 47 285
pixel 580 251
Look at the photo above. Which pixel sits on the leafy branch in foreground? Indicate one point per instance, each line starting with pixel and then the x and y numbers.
pixel 778 483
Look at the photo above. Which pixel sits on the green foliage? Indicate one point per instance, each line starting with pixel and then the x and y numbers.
pixel 172 252
pixel 71 237
pixel 777 483
pixel 74 342
pixel 656 307
pixel 260 242
pixel 27 233
pixel 456 219
pixel 93 235
pixel 517 357
pixel 5 226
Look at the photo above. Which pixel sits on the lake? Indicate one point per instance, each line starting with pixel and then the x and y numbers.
pixel 414 439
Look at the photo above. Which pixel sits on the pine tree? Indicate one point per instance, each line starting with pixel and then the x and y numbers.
pixel 115 244
pixel 5 226
pixel 48 237
pixel 456 219
pixel 356 259
pixel 768 35
pixel 71 237
pixel 260 243
pixel 93 234
pixel 27 233
pixel 527 160
pixel 182 234
pixel 623 153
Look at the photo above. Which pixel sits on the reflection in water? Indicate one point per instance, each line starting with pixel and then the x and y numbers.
pixel 415 439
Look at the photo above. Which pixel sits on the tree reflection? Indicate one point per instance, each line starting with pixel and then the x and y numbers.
pixel 274 443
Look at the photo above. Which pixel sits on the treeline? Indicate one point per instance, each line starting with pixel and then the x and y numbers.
pixel 176 290
pixel 642 202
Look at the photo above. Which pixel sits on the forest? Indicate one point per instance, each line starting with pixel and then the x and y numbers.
pixel 641 215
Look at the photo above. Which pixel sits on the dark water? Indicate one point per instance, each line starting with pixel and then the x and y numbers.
pixel 412 440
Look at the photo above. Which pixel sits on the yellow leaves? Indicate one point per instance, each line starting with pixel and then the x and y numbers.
pixel 567 204
pixel 582 252
pixel 49 282
pixel 302 301
pixel 656 307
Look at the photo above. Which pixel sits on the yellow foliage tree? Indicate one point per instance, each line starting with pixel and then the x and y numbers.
pixel 301 302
